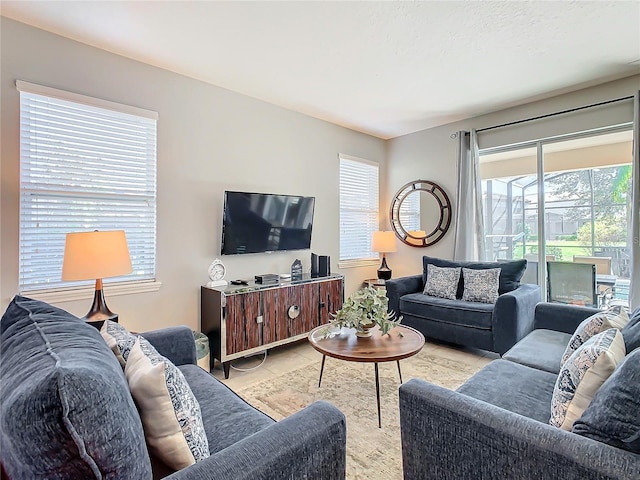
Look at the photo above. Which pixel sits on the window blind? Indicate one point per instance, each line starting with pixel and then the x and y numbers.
pixel 358 208
pixel 83 167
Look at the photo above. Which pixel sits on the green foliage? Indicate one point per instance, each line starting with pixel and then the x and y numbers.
pixel 365 307
pixel 607 231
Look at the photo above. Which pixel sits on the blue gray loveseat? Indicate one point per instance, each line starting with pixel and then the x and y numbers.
pixel 67 413
pixel 490 326
pixel 496 425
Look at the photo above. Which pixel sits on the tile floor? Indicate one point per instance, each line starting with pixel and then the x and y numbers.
pixel 285 358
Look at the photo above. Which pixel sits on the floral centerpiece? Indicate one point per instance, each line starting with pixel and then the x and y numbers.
pixel 363 310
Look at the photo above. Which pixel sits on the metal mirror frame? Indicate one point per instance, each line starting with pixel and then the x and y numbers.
pixel 443 224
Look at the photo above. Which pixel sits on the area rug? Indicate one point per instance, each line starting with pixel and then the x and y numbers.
pixel 372 452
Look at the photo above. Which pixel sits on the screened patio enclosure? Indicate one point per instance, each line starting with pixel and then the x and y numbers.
pixel 562 200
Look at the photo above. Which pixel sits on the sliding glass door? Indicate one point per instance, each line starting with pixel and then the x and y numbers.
pixel 564 204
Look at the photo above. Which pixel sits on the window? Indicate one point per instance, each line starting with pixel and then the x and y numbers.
pixel 358 208
pixel 582 186
pixel 85 164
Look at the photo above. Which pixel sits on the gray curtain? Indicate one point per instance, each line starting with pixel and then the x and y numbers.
pixel 469 229
pixel 634 290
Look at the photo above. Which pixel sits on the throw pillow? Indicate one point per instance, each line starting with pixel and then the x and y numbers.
pixel 631 332
pixel 480 285
pixel 511 271
pixel 118 339
pixel 612 416
pixel 169 410
pixel 581 376
pixel 442 282
pixel 615 317
pixel 65 406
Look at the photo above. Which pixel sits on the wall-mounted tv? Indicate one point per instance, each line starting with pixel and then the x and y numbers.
pixel 263 222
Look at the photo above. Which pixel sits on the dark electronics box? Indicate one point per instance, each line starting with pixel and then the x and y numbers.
pixel 266 278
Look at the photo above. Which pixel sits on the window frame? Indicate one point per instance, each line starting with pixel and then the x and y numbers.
pixel 371 258
pixel 58 291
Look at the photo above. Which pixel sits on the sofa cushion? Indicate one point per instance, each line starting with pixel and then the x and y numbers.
pixel 227 418
pixel 66 410
pixel 582 374
pixel 615 317
pixel 631 332
pixel 541 349
pixel 511 271
pixel 480 285
pixel 442 282
pixel 612 416
pixel 169 410
pixel 514 387
pixel 470 314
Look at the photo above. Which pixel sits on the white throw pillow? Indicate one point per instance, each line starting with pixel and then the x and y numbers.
pixel 583 374
pixel 481 285
pixel 169 411
pixel 442 281
pixel 615 317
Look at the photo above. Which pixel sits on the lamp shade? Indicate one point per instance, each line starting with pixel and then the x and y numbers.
pixel 384 242
pixel 94 255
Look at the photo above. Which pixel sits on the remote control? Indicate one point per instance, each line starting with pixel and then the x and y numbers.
pixel 239 282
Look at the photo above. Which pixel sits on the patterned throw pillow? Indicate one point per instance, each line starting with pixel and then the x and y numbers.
pixel 615 317
pixel 442 282
pixel 481 285
pixel 583 374
pixel 118 339
pixel 169 410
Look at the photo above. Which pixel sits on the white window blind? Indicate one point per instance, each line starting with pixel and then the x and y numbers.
pixel 85 164
pixel 358 208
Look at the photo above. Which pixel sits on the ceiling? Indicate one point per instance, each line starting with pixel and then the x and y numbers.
pixel 383 68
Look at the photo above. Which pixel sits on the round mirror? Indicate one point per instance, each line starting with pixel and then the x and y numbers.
pixel 420 213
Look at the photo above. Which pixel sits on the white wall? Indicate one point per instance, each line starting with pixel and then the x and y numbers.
pixel 209 140
pixel 431 154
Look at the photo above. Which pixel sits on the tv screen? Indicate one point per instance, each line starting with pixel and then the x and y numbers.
pixel 262 222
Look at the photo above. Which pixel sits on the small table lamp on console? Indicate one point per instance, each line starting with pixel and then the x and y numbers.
pixel 384 242
pixel 94 256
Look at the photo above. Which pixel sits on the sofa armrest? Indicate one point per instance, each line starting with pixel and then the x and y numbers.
pixel 397 287
pixel 175 343
pixel 447 435
pixel 309 444
pixel 512 317
pixel 561 317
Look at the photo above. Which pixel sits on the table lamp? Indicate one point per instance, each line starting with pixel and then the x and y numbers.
pixel 96 255
pixel 384 242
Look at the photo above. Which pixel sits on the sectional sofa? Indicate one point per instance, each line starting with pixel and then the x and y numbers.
pixel 497 424
pixel 66 411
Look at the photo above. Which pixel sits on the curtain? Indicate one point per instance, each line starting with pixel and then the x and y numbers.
pixel 469 229
pixel 634 290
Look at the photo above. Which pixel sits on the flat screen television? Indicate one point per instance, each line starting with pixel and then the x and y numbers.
pixel 263 222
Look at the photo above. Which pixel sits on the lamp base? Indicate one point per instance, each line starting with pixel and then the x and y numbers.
pixel 384 272
pixel 99 311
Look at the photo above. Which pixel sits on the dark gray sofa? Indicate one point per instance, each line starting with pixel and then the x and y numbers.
pixel 496 425
pixel 66 411
pixel 494 327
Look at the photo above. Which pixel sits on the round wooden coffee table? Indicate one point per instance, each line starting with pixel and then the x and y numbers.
pixel 401 342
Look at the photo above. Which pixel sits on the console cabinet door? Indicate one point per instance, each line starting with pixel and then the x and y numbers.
pixel 243 330
pixel 306 298
pixel 330 299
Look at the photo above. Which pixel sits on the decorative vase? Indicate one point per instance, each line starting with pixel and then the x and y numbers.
pixel 366 331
